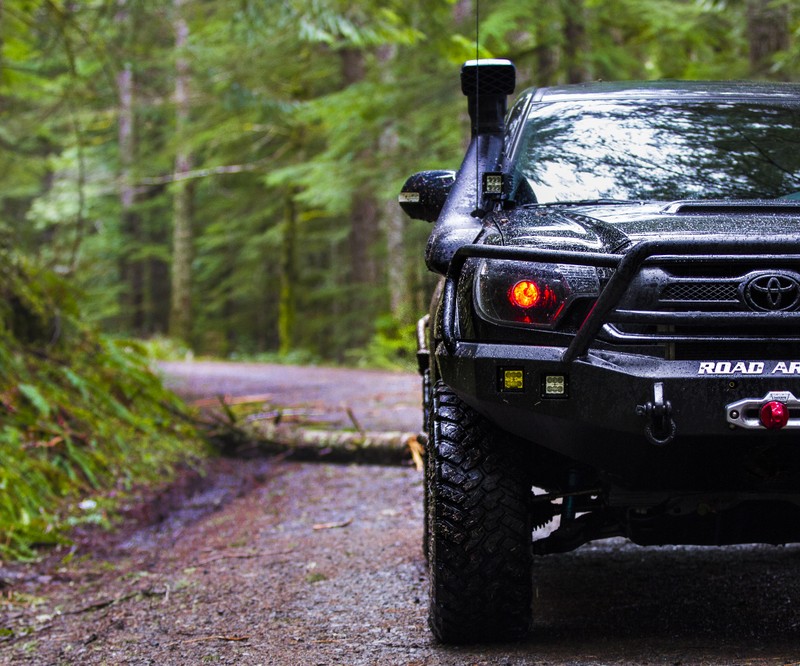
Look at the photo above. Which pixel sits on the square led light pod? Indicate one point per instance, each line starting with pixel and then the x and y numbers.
pixel 512 379
pixel 493 184
pixel 555 386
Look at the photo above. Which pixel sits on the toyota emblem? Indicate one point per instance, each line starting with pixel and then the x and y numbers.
pixel 772 292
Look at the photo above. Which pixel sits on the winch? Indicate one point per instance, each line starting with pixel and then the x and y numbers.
pixel 775 411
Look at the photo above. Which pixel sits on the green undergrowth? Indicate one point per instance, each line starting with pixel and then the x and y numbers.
pixel 82 418
pixel 393 346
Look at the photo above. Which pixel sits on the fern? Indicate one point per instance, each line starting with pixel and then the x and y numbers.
pixel 81 413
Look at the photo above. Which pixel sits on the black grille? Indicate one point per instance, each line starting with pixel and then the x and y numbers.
pixel 701 291
pixel 739 350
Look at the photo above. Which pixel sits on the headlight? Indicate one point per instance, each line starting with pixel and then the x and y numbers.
pixel 520 293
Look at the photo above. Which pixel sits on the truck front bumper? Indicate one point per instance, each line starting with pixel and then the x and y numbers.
pixel 633 415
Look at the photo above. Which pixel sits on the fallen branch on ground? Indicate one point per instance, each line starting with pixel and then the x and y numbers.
pixel 105 603
pixel 332 526
pixel 202 639
pixel 271 433
pixel 335 445
pixel 241 556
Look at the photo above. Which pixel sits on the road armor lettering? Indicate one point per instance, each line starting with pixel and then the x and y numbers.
pixel 730 368
pixel 786 369
pixel 748 368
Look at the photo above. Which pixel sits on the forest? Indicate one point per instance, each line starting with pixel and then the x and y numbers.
pixel 221 178
pixel 223 175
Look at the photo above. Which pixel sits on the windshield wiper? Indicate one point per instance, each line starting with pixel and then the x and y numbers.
pixel 593 202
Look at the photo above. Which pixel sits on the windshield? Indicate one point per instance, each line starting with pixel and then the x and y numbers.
pixel 650 150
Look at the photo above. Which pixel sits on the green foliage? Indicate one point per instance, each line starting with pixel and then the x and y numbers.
pixel 161 348
pixel 81 414
pixel 320 107
pixel 392 347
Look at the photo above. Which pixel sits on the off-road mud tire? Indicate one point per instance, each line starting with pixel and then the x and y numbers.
pixel 479 540
pixel 428 514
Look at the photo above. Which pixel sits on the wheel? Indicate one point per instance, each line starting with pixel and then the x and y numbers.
pixel 479 528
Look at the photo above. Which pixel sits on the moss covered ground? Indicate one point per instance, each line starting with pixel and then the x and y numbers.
pixel 83 420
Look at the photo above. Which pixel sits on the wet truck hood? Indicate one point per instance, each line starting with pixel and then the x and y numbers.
pixel 614 227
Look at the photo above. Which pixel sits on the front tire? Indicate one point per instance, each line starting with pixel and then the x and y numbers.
pixel 479 527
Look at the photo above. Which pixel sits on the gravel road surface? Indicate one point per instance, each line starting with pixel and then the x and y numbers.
pixel 379 400
pixel 271 562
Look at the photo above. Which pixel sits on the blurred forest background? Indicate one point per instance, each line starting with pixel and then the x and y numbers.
pixel 224 173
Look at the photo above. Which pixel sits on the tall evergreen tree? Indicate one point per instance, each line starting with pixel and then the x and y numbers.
pixel 181 310
pixel 254 209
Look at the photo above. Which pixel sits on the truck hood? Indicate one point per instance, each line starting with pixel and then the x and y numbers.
pixel 612 227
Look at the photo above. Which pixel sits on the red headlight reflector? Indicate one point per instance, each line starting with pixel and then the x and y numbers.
pixel 525 294
pixel 539 303
pixel 533 294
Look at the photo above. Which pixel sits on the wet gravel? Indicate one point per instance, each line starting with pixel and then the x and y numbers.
pixel 321 564
pixel 272 562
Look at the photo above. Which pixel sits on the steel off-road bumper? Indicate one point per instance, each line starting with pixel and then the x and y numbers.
pixel 608 408
pixel 636 417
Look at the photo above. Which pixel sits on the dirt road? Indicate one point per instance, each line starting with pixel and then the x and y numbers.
pixel 283 563
pixel 378 400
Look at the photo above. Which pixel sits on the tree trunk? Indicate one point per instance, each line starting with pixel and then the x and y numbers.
pixel 462 10
pixel 365 217
pixel 180 321
pixel 576 41
pixel 156 272
pixel 547 49
pixel 767 34
pixel 332 445
pixel 363 234
pixel 131 270
pixel 287 305
pixel 397 274
pixel 364 207
pixel 399 299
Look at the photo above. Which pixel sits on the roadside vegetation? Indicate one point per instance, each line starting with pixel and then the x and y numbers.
pixel 82 418
pixel 226 174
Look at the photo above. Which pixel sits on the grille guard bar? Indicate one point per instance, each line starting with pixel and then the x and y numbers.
pixel 777 253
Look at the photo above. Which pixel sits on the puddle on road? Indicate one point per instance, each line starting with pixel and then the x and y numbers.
pixel 179 507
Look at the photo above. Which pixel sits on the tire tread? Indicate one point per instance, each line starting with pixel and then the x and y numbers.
pixel 479 528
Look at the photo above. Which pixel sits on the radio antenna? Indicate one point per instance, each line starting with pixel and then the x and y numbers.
pixel 477 100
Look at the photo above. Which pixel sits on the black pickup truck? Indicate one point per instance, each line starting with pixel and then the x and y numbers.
pixel 614 346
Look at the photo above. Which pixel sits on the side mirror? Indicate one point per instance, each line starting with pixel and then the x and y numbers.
pixel 423 194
